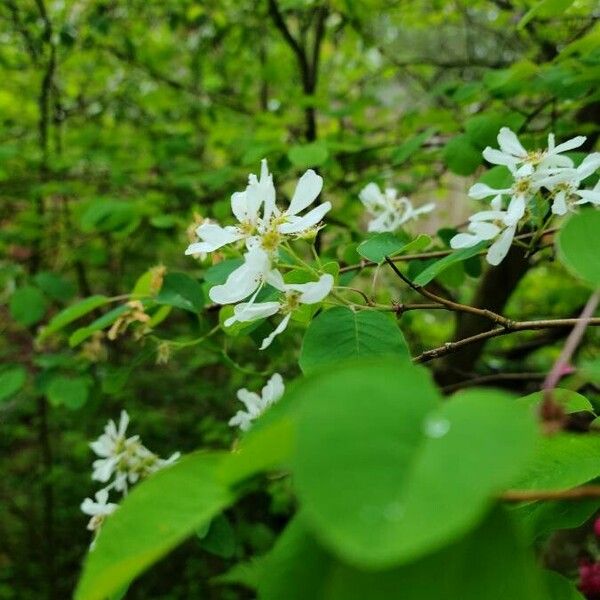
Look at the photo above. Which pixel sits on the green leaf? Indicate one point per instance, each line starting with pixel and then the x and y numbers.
pixel 562 461
pixel 72 313
pixel 83 333
pixel 354 335
pixel 578 246
pixel 544 9
pixel 308 155
pixel 27 305
pixel 382 459
pixel 220 538
pixel 473 569
pixel 12 379
pixel 439 266
pixel 71 392
pixel 154 518
pixel 379 246
pixel 217 274
pixel 405 150
pixel 55 286
pixel 460 156
pixel 560 588
pixel 571 401
pixel 181 291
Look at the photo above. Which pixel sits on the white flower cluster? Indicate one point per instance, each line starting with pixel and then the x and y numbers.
pixel 123 459
pixel 546 172
pixel 263 229
pixel 389 211
pixel 256 405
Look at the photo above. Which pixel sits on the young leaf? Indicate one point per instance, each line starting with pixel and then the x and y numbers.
pixel 72 313
pixel 71 392
pixel 461 156
pixel 340 334
pixel 439 266
pixel 181 291
pixel 12 380
pixel 27 305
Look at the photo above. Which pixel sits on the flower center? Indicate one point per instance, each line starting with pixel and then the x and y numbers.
pixel 535 157
pixel 270 240
pixel 522 186
pixel 292 302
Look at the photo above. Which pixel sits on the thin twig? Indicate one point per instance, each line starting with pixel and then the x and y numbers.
pixel 492 378
pixel 450 304
pixel 515 326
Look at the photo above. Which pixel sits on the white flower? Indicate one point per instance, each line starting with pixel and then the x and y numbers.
pixel 295 294
pixel 592 196
pixel 564 185
pixel 110 446
pixel 245 206
pixel 256 405
pixel 98 509
pixel 513 155
pixel 388 211
pixel 485 226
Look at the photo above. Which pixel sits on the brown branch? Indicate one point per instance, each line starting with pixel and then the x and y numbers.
pixel 578 493
pixel 492 378
pixel 450 304
pixel 514 326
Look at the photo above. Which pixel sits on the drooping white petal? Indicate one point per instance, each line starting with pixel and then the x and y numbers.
pixel 559 206
pixel 307 190
pixel 246 311
pixel 499 249
pixel 310 219
pixel 483 230
pixel 589 165
pixel 244 280
pixel 423 209
pixel 213 237
pixel 463 240
pixel 515 210
pixel 279 329
pixel 273 390
pixel 251 401
pixel 313 291
pixel 509 143
pixel 242 420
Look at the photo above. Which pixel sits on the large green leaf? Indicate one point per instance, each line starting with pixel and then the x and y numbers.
pixel 156 516
pixel 71 392
pixel 379 246
pixel 386 473
pixel 461 157
pixel 27 305
pixel 340 334
pixel 72 313
pixel 439 266
pixel 475 568
pixel 579 246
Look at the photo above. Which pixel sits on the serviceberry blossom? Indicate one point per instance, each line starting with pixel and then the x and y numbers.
pixel 389 211
pixel 123 459
pixel 98 509
pixel 256 405
pixel 294 295
pixel 546 174
pixel 264 227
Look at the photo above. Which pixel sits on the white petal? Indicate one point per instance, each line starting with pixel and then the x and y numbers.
pixel 423 209
pixel 484 231
pixel 239 285
pixel 464 240
pixel 212 237
pixel 496 203
pixel 481 190
pixel 592 196
pixel 499 249
pixel 509 143
pixel 515 211
pixel 247 311
pixel 589 165
pixel 524 170
pixel 384 222
pixel 273 390
pixel 569 144
pixel 559 206
pixel 308 188
pixel 313 291
pixel 242 420
pixel 487 215
pixel 251 401
pixel 371 196
pixel 310 219
pixel 279 329
pixel 240 208
pixel 275 278
pixel 497 157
